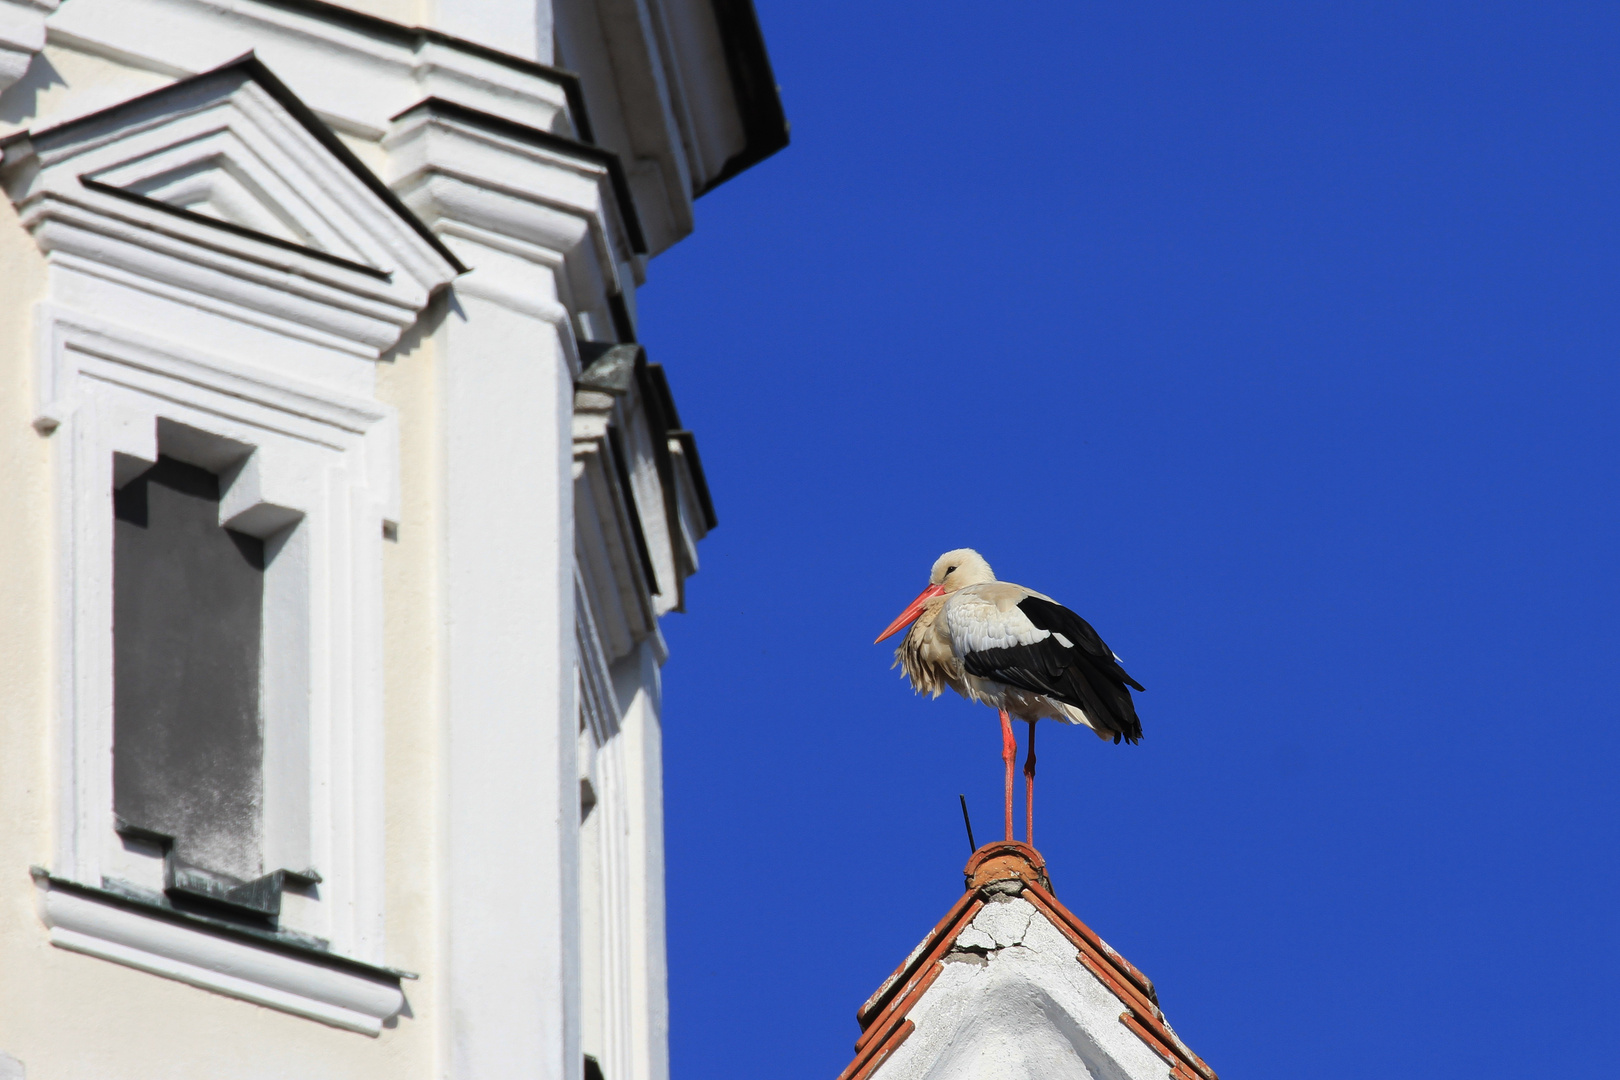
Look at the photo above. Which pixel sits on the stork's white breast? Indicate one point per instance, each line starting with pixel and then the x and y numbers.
pixel 978 618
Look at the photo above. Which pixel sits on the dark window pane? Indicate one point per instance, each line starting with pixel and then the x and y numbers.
pixel 188 599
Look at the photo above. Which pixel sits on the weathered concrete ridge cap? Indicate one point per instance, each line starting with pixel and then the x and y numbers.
pixel 1006 860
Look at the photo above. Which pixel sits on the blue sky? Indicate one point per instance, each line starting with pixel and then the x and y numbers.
pixel 1280 342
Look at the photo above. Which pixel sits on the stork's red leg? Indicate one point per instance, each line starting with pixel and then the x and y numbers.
pixel 1029 789
pixel 1009 755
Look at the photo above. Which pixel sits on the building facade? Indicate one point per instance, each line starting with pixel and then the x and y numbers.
pixel 338 510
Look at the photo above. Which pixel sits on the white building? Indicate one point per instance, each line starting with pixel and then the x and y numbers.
pixel 1010 985
pixel 338 509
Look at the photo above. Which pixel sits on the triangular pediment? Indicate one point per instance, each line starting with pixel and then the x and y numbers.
pixel 234 148
pixel 221 185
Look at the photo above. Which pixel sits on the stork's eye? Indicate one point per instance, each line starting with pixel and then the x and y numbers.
pixel 949 570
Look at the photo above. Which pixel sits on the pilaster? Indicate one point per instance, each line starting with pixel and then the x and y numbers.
pixel 538 224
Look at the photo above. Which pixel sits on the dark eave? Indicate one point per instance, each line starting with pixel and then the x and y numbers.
pixel 249 68
pixel 561 144
pixel 624 327
pixel 612 368
pixel 688 443
pixel 661 394
pixel 759 104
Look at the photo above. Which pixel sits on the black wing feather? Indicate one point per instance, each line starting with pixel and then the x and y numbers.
pixel 1086 676
pixel 1060 620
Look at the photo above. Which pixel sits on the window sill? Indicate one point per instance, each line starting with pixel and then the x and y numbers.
pixel 283 971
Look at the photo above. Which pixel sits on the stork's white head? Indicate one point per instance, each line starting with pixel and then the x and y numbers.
pixel 953 570
pixel 959 569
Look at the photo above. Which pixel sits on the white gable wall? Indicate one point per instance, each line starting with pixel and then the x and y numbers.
pixel 1014 1003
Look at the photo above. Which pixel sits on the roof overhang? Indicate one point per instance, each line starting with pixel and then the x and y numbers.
pixel 753 86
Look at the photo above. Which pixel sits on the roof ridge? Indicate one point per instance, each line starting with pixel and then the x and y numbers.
pixel 1010 868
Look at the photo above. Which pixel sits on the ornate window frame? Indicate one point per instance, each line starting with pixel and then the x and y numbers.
pixel 309 471
pixel 156 219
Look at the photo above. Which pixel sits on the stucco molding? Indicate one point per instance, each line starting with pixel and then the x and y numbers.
pixel 598 703
pixel 22 34
pixel 622 611
pixel 639 514
pixel 694 75
pixel 305 987
pixel 492 188
pixel 355 71
pixel 312 470
pixel 213 193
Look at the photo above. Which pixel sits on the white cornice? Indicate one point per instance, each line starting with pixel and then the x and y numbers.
pixel 666 64
pixel 349 272
pixel 278 291
pixel 355 72
pixel 306 985
pixel 22 34
pixel 523 188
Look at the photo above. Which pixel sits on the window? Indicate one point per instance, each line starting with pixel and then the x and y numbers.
pixel 188 738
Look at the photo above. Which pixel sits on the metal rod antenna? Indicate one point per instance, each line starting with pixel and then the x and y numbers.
pixel 969 823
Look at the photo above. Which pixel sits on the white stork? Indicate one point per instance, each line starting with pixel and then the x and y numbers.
pixel 1020 652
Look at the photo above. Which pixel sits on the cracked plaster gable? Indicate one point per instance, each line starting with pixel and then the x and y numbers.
pixel 1011 985
pixel 1000 924
pixel 1013 1003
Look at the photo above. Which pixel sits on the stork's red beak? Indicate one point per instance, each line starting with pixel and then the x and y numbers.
pixel 914 609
